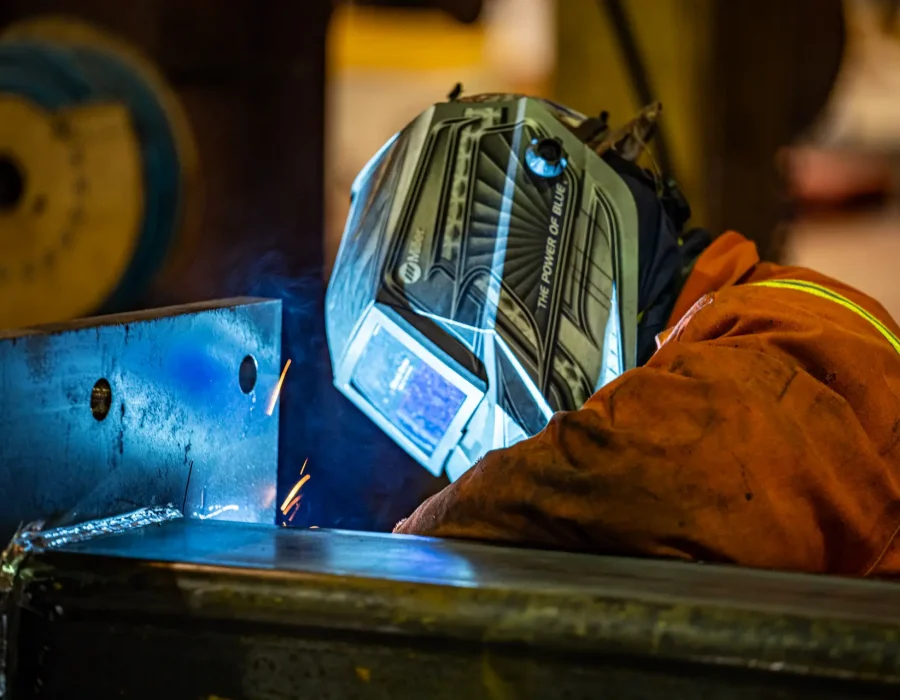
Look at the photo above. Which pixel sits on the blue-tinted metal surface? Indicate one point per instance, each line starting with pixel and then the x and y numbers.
pixel 168 422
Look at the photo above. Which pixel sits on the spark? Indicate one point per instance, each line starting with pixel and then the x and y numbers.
pixel 292 501
pixel 290 496
pixel 273 399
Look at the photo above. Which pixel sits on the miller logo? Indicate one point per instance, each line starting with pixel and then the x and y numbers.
pixel 410 270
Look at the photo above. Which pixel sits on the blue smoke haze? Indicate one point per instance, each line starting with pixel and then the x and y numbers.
pixel 359 479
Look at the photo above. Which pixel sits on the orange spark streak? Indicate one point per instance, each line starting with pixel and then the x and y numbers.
pixel 293 503
pixel 290 497
pixel 273 399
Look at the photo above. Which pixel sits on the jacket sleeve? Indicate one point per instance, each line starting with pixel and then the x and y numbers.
pixel 724 447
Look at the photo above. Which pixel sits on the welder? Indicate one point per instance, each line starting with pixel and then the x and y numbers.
pixel 520 305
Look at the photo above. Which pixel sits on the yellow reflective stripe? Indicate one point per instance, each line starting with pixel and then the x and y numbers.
pixel 825 293
pixel 819 290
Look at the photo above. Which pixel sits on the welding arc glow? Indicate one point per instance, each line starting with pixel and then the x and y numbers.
pixel 218 511
pixel 273 399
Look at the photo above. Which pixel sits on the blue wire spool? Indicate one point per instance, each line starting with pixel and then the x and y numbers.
pixel 56 68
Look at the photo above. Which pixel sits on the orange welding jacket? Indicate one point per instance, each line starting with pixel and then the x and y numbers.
pixel 765 431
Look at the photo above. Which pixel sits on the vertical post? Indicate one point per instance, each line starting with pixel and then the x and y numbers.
pixel 772 69
pixel 738 80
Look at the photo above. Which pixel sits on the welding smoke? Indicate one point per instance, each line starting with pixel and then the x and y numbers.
pixel 359 479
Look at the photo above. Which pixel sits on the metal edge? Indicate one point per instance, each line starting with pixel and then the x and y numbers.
pixel 132 317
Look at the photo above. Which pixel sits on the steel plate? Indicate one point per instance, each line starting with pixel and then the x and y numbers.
pixel 102 416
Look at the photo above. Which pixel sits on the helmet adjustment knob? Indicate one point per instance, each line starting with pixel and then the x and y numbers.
pixel 546 157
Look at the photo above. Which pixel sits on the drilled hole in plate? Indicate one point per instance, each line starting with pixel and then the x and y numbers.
pixel 247 374
pixel 101 399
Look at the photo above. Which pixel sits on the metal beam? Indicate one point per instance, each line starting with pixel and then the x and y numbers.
pixel 194 609
pixel 105 415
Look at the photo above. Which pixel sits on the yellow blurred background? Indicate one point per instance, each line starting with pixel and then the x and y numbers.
pixel 387 65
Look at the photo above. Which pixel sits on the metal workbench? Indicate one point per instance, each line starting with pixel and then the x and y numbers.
pixel 194 609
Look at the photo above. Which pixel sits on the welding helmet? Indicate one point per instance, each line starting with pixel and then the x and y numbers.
pixel 487 276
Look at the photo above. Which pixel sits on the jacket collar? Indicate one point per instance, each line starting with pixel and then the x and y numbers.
pixel 727 261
